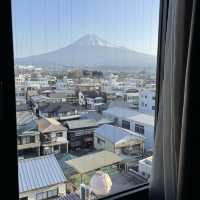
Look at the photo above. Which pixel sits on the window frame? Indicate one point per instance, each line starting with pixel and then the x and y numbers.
pixel 7 92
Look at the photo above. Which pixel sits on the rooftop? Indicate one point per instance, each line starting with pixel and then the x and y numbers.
pixel 115 134
pixel 25 122
pixel 94 161
pixel 82 123
pixel 130 114
pixel 46 125
pixel 56 107
pixel 39 172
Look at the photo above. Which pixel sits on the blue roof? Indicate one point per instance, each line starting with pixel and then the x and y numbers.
pixel 39 172
pixel 113 133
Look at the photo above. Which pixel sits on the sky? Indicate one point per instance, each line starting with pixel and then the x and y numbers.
pixel 40 26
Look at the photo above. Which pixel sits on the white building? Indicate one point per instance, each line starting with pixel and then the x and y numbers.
pixel 37 82
pixel 132 97
pixel 145 166
pixel 41 178
pixel 135 121
pixel 147 101
pixel 91 99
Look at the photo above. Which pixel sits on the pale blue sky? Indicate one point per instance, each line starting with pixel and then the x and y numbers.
pixel 44 25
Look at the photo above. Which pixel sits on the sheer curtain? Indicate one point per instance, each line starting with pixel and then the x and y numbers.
pixel 175 144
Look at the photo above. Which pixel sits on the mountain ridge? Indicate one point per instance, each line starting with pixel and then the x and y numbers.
pixel 90 50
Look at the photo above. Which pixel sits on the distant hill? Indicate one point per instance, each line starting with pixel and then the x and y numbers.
pixel 91 51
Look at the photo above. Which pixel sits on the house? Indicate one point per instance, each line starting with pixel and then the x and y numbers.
pixel 23 107
pixel 60 111
pixel 132 97
pixel 100 119
pixel 80 133
pixel 20 95
pixel 118 140
pixel 40 178
pixel 135 121
pixel 28 136
pixel 147 101
pixel 94 100
pixel 53 136
pixel 145 166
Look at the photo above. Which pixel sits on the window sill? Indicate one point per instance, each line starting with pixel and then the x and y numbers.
pixel 140 192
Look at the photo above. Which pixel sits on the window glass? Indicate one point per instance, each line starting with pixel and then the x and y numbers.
pixel 52 193
pixel 125 124
pixel 139 129
pixel 85 70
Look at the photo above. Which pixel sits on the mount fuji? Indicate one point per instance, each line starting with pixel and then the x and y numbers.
pixel 91 51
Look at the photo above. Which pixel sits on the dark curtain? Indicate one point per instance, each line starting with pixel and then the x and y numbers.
pixel 175 158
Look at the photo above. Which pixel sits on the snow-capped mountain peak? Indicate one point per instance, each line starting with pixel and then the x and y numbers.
pixel 93 40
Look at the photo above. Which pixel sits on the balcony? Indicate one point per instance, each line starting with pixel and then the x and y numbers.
pixel 28 146
pixel 54 141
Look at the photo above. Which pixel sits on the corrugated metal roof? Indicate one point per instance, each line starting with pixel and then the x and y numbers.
pixel 70 196
pixel 93 161
pixel 82 123
pixel 39 172
pixel 115 134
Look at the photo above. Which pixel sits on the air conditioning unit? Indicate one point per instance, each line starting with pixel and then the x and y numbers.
pixel 84 192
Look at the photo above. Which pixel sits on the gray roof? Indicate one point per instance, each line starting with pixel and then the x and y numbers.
pixel 114 134
pixel 130 114
pixel 56 107
pixel 82 123
pixel 25 122
pixel 39 172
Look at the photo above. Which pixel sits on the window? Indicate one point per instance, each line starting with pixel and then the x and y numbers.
pixel 52 193
pixel 115 42
pixel 139 129
pixel 24 198
pixel 29 139
pixel 56 148
pixel 59 134
pixel 125 124
pixel 153 107
pixel 41 196
pixel 153 98
pixel 100 141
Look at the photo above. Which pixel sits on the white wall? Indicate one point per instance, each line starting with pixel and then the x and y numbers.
pixel 146 101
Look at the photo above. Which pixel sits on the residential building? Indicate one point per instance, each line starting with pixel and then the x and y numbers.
pixel 80 133
pixel 118 140
pixel 145 166
pixel 37 82
pixel 53 136
pixel 100 119
pixel 135 121
pixel 28 136
pixel 132 97
pixel 40 178
pixel 60 111
pixel 147 101
pixel 94 100
pixel 20 94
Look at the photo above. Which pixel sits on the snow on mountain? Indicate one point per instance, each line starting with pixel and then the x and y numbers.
pixel 91 50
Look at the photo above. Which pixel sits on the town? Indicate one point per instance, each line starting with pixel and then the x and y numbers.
pixel 83 134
